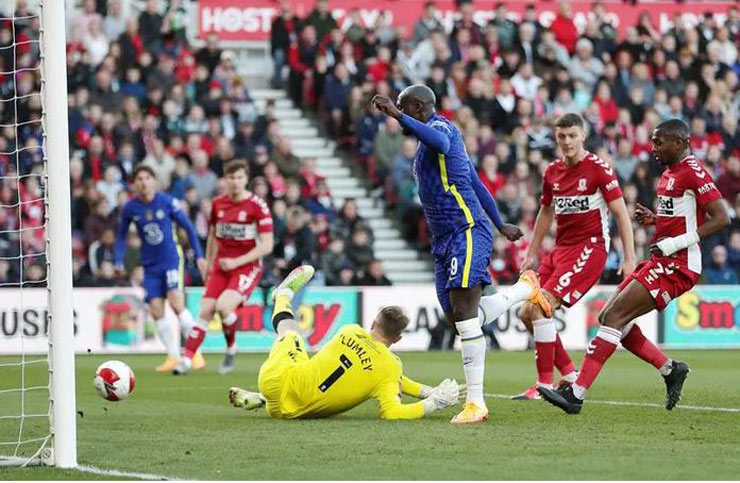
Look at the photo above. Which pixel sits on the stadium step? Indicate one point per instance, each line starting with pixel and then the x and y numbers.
pixel 387 233
pixel 299 143
pixel 288 124
pixel 342 183
pixel 303 132
pixel 405 277
pixel 334 172
pixel 405 265
pixel 288 113
pixel 380 223
pixel 329 162
pixel 264 94
pixel 340 194
pixel 279 103
pixel 389 244
pixel 371 212
pixel 313 152
pixel 402 254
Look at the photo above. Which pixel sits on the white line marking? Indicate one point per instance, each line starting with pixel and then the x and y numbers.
pixel 122 474
pixel 639 404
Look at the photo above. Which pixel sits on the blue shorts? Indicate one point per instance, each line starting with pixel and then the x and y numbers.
pixel 161 278
pixel 461 261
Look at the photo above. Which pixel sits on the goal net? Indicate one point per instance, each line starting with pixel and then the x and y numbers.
pixel 36 331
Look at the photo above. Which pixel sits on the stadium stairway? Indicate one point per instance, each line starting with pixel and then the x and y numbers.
pixel 403 264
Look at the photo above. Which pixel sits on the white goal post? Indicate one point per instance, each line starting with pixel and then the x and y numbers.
pixel 59 234
pixel 37 392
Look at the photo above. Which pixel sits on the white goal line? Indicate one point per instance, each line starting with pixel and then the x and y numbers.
pixel 638 404
pixel 123 474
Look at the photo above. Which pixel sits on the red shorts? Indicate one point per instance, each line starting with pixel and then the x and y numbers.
pixel 663 278
pixel 568 272
pixel 243 280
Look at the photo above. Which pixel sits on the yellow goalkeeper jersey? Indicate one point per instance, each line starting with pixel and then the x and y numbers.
pixel 351 368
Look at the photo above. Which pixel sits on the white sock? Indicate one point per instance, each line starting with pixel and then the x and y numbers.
pixel 492 306
pixel 666 368
pixel 571 377
pixel 579 391
pixel 227 321
pixel 544 330
pixel 186 322
pixel 165 335
pixel 474 358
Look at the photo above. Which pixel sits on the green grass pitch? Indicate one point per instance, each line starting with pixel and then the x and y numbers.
pixel 184 428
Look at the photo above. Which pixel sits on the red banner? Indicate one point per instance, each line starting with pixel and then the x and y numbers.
pixel 240 20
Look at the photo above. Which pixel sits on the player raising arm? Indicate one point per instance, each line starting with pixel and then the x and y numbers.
pixel 352 367
pixel 455 205
pixel 154 215
pixel 686 194
pixel 240 235
pixel 578 191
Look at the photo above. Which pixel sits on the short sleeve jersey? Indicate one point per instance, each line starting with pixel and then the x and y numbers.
pixel 237 224
pixel 580 196
pixel 684 189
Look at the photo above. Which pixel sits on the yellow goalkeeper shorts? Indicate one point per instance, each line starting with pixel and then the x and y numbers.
pixel 287 352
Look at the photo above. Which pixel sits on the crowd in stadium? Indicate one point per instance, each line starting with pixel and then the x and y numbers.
pixel 504 83
pixel 138 92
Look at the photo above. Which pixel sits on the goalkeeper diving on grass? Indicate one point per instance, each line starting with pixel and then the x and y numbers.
pixel 354 366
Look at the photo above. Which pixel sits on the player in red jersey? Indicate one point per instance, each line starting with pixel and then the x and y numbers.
pixel 240 235
pixel 578 191
pixel 686 194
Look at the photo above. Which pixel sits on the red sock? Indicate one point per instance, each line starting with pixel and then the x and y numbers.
pixel 195 339
pixel 637 343
pixel 229 328
pixel 545 334
pixel 599 350
pixel 562 360
pixel 544 357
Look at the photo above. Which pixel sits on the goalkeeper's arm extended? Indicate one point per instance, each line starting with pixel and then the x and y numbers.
pixel 444 395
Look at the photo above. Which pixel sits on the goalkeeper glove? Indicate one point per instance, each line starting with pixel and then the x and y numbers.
pixel 446 394
pixel 671 245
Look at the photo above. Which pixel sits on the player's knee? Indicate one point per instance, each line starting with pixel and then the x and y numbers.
pixel 463 313
pixel 609 317
pixel 527 314
pixel 207 313
pixel 156 312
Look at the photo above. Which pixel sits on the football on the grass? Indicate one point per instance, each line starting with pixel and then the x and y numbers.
pixel 114 380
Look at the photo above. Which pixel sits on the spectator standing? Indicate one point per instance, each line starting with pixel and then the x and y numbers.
pixel 387 146
pixel 426 24
pixel 284 31
pixel 321 19
pixel 201 178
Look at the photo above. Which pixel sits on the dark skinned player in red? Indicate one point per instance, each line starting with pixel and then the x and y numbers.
pixel 686 195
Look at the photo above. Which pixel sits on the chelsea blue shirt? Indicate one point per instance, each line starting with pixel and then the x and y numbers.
pixel 155 222
pixel 449 187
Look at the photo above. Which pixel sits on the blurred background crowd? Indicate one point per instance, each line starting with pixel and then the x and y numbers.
pixel 504 83
pixel 140 93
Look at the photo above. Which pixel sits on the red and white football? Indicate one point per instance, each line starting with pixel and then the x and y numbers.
pixel 114 380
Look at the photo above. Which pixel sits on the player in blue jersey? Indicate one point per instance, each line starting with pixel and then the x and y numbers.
pixel 155 216
pixel 457 207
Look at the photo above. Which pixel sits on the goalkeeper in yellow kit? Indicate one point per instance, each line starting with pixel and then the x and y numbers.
pixel 351 368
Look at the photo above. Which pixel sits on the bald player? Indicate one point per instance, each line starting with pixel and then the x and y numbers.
pixel 457 208
pixel 686 195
